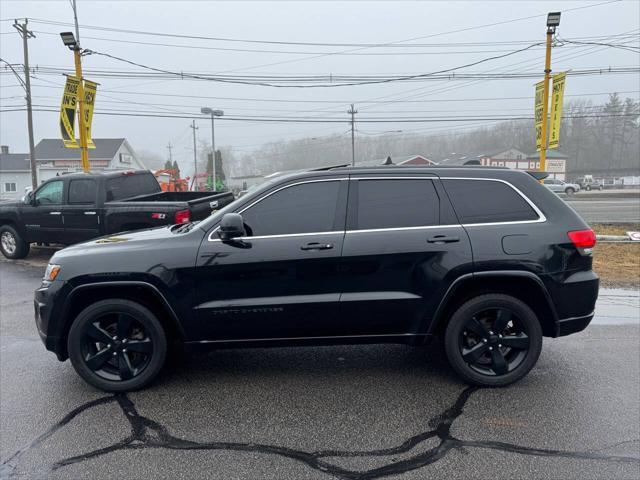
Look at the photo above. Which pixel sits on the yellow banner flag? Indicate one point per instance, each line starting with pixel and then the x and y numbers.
pixel 89 101
pixel 68 112
pixel 556 108
pixel 538 109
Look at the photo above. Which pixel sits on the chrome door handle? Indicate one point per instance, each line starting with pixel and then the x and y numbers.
pixel 89 213
pixel 55 213
pixel 443 239
pixel 317 246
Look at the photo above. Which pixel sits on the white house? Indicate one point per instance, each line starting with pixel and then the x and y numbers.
pixel 52 159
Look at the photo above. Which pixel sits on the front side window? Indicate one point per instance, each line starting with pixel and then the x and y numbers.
pixel 305 208
pixel 397 204
pixel 487 201
pixel 82 191
pixel 50 193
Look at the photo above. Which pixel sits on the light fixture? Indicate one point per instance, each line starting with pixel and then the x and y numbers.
pixel 208 111
pixel 553 19
pixel 69 40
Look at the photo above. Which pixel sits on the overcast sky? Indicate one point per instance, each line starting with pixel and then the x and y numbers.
pixel 316 22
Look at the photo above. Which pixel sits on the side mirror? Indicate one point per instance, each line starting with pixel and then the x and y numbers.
pixel 231 226
pixel 28 198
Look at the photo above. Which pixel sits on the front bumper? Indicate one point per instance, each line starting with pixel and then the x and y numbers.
pixel 44 306
pixel 568 326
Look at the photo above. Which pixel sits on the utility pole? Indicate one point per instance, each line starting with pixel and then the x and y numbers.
pixel 26 35
pixel 352 111
pixel 553 20
pixel 195 155
pixel 170 147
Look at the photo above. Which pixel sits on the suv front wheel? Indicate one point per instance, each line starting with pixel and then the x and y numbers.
pixel 117 345
pixel 493 340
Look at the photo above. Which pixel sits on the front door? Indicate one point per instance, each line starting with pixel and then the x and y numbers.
pixel 43 218
pixel 81 217
pixel 401 252
pixel 281 280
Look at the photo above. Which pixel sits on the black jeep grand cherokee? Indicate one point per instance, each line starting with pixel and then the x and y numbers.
pixel 487 259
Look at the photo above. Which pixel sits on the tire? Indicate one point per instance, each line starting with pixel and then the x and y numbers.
pixel 463 343
pixel 101 345
pixel 569 191
pixel 12 245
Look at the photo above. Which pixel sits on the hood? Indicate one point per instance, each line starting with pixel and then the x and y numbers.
pixel 120 242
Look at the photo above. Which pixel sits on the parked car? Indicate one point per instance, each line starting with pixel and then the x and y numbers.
pixel 77 207
pixel 559 186
pixel 486 259
pixel 588 183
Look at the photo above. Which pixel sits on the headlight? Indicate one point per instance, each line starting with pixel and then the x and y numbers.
pixel 51 272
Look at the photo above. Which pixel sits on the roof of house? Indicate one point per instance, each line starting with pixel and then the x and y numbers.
pixel 550 154
pixel 49 149
pixel 459 159
pixel 14 162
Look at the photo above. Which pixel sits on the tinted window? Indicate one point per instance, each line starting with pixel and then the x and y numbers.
pixel 397 204
pixel 82 191
pixel 485 201
pixel 128 185
pixel 306 208
pixel 50 193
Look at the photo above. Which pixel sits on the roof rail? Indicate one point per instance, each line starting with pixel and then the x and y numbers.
pixel 329 167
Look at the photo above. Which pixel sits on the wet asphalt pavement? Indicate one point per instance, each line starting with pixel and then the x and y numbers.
pixel 354 412
pixel 610 210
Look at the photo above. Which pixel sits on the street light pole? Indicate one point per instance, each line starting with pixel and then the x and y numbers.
pixel 553 20
pixel 213 113
pixel 74 44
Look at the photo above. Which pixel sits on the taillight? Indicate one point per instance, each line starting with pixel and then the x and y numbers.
pixel 182 216
pixel 583 238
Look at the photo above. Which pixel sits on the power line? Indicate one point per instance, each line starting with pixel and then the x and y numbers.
pixel 332 120
pixel 302 52
pixel 324 44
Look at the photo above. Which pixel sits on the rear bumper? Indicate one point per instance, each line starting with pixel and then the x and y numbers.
pixel 571 325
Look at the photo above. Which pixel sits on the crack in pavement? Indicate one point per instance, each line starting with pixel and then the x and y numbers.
pixel 147 433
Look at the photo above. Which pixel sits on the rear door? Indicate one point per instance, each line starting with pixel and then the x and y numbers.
pixel 282 279
pixel 402 249
pixel 81 217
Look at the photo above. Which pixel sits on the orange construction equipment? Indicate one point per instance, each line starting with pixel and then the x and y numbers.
pixel 169 181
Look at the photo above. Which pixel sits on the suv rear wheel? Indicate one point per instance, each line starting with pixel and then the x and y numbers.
pixel 11 243
pixel 493 340
pixel 117 345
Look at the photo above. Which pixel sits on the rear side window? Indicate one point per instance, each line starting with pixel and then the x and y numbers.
pixel 487 201
pixel 82 191
pixel 397 204
pixel 127 186
pixel 305 208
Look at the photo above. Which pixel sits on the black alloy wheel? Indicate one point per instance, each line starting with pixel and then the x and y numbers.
pixel 493 340
pixel 117 345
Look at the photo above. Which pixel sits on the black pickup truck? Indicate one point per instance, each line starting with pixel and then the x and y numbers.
pixel 77 207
